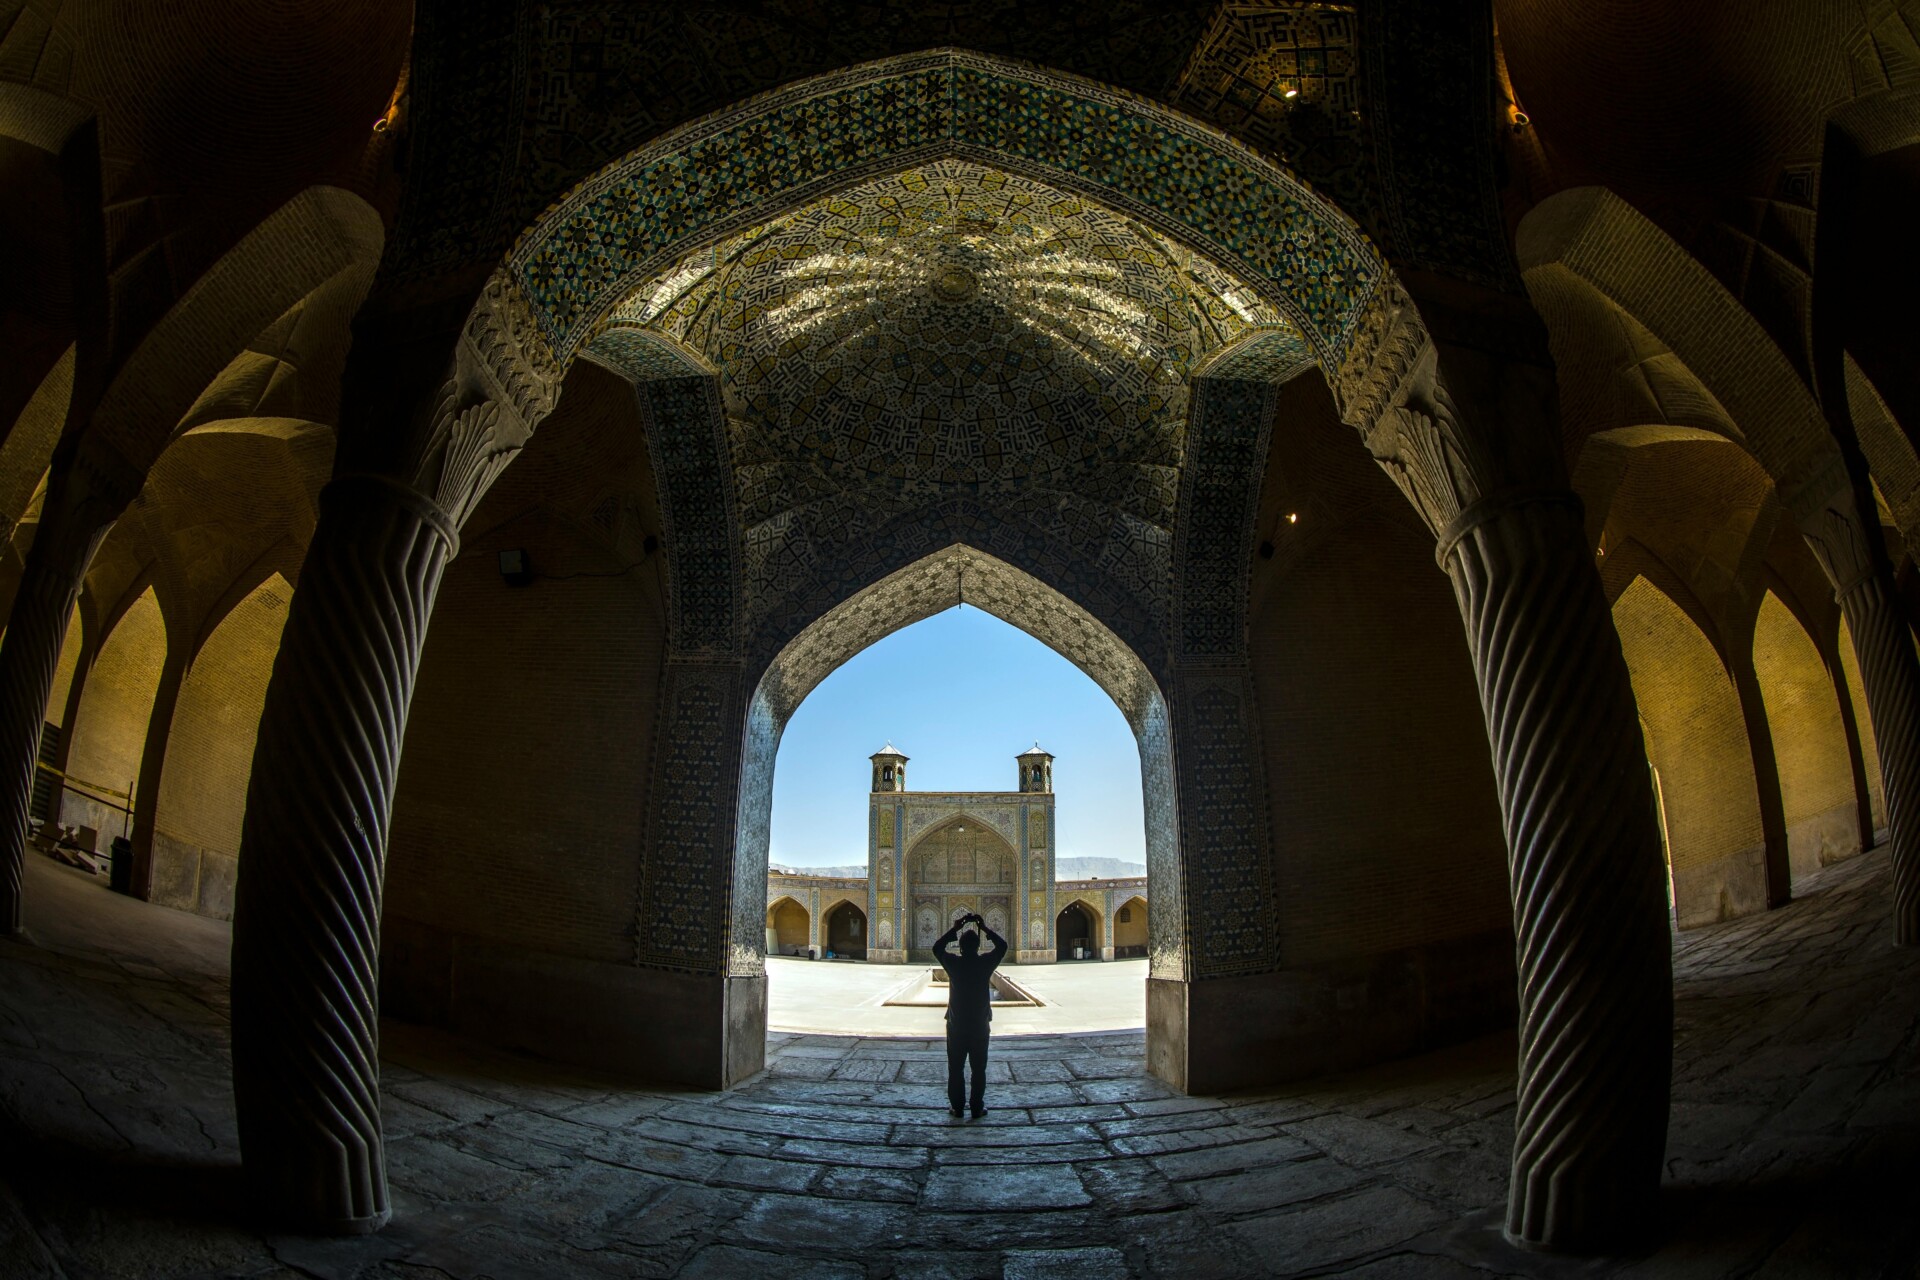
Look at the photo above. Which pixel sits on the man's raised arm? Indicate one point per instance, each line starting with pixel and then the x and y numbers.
pixel 946 939
pixel 999 943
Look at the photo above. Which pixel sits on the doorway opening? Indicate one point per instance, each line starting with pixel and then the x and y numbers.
pixel 1076 934
pixel 787 928
pixel 1043 841
pixel 847 932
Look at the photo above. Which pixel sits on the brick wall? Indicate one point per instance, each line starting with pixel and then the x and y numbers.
pixel 522 790
pixel 1386 826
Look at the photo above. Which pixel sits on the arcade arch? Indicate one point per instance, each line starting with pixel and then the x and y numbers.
pixel 1810 748
pixel 1077 932
pixel 845 931
pixel 1697 741
pixel 108 737
pixel 1169 591
pixel 209 753
pixel 1130 929
pixel 787 928
pixel 956 846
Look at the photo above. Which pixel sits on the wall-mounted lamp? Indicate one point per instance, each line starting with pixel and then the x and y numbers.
pixel 515 568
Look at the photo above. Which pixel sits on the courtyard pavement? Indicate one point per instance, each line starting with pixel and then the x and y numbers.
pixel 848 997
pixel 1793 1151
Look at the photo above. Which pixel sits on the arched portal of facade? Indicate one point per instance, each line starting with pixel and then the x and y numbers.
pixel 963 865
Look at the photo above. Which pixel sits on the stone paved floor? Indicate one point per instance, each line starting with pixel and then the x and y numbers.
pixel 1793 1152
pixel 848 998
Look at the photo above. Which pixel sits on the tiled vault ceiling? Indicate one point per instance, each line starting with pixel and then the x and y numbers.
pixel 952 330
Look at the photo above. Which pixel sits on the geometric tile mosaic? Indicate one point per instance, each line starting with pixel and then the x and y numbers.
pixel 755 162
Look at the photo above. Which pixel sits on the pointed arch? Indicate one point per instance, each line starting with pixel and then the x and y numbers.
pixel 109 735
pixel 935 583
pixel 1130 928
pixel 322 236
pixel 666 201
pixel 789 926
pixel 1696 739
pixel 209 753
pixel 1809 741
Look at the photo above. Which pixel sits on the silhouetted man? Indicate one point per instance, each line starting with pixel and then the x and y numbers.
pixel 969 1007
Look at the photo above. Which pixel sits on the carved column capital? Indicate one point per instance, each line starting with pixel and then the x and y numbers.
pixel 503 383
pixel 1460 426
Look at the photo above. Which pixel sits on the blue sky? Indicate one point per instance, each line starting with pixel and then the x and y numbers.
pixel 962 693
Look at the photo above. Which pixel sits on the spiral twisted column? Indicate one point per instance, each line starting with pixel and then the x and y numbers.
pixel 306 924
pixel 1891 675
pixel 74 519
pixel 1589 900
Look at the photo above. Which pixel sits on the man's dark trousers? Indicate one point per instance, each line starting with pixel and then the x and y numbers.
pixel 966 1041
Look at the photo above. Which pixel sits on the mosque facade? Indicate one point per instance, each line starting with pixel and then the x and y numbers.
pixel 933 856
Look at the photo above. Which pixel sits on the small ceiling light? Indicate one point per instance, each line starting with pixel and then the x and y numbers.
pixel 1293 517
pixel 1291 93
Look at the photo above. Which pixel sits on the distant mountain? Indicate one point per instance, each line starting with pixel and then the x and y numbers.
pixel 858 869
pixel 1097 869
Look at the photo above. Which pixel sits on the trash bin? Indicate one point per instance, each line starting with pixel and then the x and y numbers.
pixel 120 865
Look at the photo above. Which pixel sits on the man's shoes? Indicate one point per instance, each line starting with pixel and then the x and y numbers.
pixel 977 1112
pixel 955 1112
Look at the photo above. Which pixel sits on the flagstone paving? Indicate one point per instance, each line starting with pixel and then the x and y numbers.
pixel 1793 1149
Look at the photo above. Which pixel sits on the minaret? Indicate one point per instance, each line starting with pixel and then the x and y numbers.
pixel 889 769
pixel 1036 770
